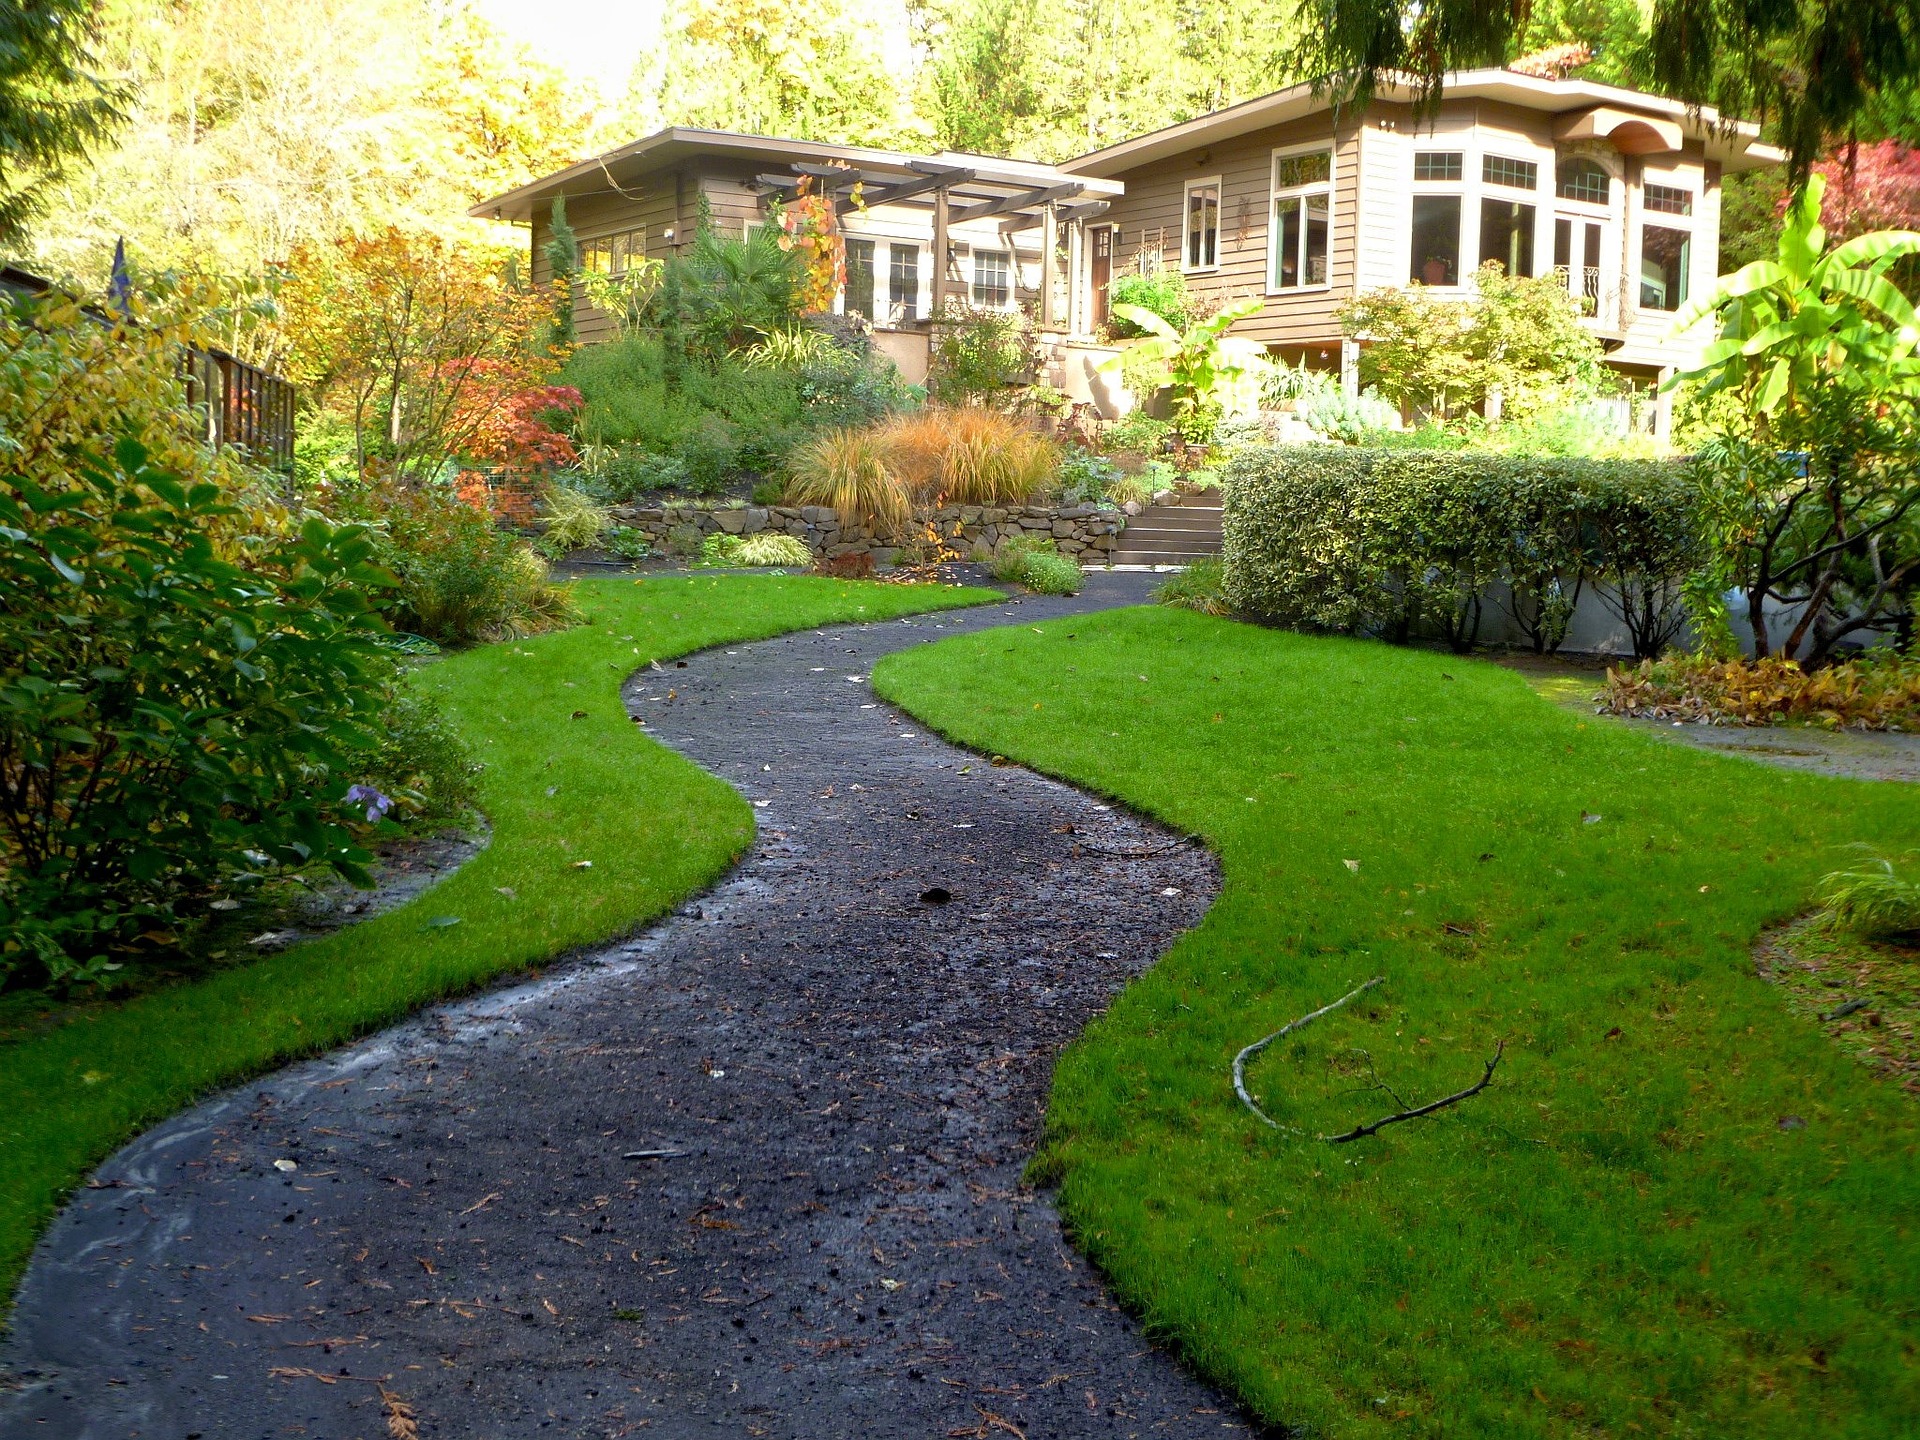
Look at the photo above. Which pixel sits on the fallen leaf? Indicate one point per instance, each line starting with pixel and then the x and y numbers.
pixel 1353 865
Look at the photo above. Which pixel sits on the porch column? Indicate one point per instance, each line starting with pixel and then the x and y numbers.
pixel 938 294
pixel 1350 367
pixel 1049 266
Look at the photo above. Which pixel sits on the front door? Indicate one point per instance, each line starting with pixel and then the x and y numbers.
pixel 1101 270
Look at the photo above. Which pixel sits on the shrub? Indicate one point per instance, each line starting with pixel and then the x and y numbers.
pixel 574 521
pixel 1872 899
pixel 1201 587
pixel 852 472
pixel 1879 691
pixel 1053 575
pixel 1136 431
pixel 1036 562
pixel 1395 543
pixel 771 547
pixel 1130 490
pixel 627 543
pixel 711 454
pixel 418 762
pixel 1084 477
pixel 634 472
pixel 979 355
pixel 163 710
pixel 461 579
pixel 1164 292
pixel 721 549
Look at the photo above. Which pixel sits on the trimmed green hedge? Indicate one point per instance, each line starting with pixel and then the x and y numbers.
pixel 1401 543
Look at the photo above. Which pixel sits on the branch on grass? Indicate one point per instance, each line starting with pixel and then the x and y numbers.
pixel 1360 1132
pixel 1240 1060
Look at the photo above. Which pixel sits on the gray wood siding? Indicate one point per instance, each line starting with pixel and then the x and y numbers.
pixel 1155 204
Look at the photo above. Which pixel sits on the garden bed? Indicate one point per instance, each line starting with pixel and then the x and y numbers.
pixel 1087 532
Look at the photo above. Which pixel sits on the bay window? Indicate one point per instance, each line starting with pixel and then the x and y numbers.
pixel 1666 254
pixel 1436 239
pixel 1302 220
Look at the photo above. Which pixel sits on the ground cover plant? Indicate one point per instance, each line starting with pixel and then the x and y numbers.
pixel 1877 691
pixel 1677 1210
pixel 595 830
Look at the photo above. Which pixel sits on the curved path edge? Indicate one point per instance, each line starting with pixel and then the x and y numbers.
pixel 755 1171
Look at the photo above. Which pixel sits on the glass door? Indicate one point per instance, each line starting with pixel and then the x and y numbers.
pixel 1100 269
pixel 1578 246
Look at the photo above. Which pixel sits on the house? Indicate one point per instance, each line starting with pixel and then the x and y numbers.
pixel 1288 200
pixel 1009 228
pixel 1285 198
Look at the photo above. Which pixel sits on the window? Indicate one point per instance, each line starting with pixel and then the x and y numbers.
pixel 903 281
pixel 1519 174
pixel 859 291
pixel 1665 256
pixel 1506 235
pixel 1436 239
pixel 1438 165
pixel 1584 180
pixel 1669 200
pixel 1203 225
pixel 612 254
pixel 1577 245
pixel 992 278
pixel 1302 219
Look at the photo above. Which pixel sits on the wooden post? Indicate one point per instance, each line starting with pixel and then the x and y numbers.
pixel 1049 265
pixel 938 295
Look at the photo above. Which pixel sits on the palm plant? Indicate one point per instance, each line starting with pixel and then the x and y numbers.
pixel 1819 347
pixel 739 291
pixel 1205 366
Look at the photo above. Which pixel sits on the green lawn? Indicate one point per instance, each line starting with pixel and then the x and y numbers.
pixel 557 789
pixel 1620 1237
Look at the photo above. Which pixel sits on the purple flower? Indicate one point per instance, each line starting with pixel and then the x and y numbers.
pixel 376 803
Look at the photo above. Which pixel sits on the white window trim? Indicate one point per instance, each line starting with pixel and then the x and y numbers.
pixel 1642 218
pixel 1005 252
pixel 1186 214
pixel 1275 194
pixel 920 284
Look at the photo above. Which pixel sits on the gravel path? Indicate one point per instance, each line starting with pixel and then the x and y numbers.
pixel 449 1220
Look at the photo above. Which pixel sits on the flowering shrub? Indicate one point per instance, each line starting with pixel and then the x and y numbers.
pixel 508 423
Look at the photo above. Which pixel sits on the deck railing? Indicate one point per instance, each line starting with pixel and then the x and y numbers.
pixel 241 404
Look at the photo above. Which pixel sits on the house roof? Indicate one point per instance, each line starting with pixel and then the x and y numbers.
pixel 1735 144
pixel 978 180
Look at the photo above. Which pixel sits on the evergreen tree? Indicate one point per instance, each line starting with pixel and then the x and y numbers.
pixel 54 105
pixel 563 260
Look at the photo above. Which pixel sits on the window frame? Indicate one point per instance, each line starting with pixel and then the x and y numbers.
pixel 1603 204
pixel 1277 192
pixel 1686 195
pixel 1645 217
pixel 1216 184
pixel 1461 190
pixel 872 242
pixel 912 309
pixel 1007 256
pixel 1489 158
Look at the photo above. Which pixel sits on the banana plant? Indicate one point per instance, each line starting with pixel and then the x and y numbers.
pixel 1204 364
pixel 1811 317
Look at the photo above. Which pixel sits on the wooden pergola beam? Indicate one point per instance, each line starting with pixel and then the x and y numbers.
pixel 920 185
pixel 1024 200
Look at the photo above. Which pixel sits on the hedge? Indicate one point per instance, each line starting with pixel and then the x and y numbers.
pixel 1398 543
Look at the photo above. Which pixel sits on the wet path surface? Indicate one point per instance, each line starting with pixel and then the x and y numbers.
pixel 457 1220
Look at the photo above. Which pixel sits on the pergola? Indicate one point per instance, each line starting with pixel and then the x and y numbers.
pixel 960 190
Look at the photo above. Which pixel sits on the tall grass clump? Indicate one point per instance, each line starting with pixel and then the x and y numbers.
pixel 1873 899
pixel 852 472
pixel 970 456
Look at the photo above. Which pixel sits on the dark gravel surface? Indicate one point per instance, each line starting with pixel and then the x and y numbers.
pixel 447 1221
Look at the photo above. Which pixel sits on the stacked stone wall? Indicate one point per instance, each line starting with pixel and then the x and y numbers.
pixel 1089 533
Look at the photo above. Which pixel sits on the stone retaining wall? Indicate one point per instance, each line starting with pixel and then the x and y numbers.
pixel 1087 532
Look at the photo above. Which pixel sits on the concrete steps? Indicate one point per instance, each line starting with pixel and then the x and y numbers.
pixel 1175 534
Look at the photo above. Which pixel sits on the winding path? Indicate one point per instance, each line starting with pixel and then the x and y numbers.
pixel 849 1079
